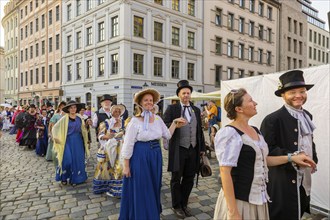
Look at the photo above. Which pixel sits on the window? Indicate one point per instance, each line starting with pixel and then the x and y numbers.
pixel 37 49
pixel 295 46
pixel 175 69
pixel 22 79
pixel 50 44
pixel 79 41
pixel 261 32
pixel 176 5
pixel 289 43
pixel 251 6
pixel 42 47
pixel 261 9
pixel 319 55
pixel 323 56
pixel 240 73
pixel 310 52
pixel 37 24
pixel 138 64
pixel 101 31
pixel 43 21
pixel 57 13
pixel 50 17
pixel 230 21
pixel 295 26
pixel 191 7
pixel 314 57
pixel 22 34
pixel 310 35
pixel 323 41
pixel 115 26
pixel 315 37
pixel 260 56
pixel 191 40
pixel 89 36
pixel 31 28
pixel 241 51
pixel 158 66
pixel 31 6
pixel 269 57
pixel 251 73
pixel 57 72
pixel 218 17
pixel 230 73
pixel 218 45
pixel 26 31
pixel 175 36
pixel 300 63
pixel 269 35
pixel 160 2
pixel 37 75
pixel 138 26
pixel 100 2
pixel 26 7
pixel 158 31
pixel 43 76
pixel 69 70
pixel 300 29
pixel 114 63
pixel 22 57
pixel 294 63
pixel 31 52
pixel 68 11
pixel 89 66
pixel 26 78
pixel 21 13
pixel 241 3
pixel 88 5
pixel 78 71
pixel 230 46
pixel 191 71
pixel 218 75
pixel 26 54
pixel 101 66
pixel 251 29
pixel 37 4
pixel 57 41
pixel 319 39
pixel 241 25
pixel 269 13
pixel 69 46
pixel 289 24
pixel 78 9
pixel 31 77
pixel 50 73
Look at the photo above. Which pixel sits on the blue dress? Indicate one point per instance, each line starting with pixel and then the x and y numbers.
pixel 73 164
pixel 42 143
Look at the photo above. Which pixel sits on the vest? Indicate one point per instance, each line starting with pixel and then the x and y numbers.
pixel 188 132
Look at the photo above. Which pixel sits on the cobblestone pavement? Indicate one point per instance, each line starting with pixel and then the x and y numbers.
pixel 28 190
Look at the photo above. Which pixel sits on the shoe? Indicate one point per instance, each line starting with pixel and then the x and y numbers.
pixel 187 211
pixel 179 213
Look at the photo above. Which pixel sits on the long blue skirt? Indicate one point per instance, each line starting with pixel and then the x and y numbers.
pixel 73 164
pixel 42 143
pixel 141 192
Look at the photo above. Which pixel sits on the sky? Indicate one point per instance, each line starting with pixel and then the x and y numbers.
pixel 322 5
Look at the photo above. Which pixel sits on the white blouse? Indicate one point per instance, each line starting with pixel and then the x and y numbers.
pixel 135 132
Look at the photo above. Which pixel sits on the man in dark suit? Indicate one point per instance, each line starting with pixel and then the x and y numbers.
pixel 185 147
pixel 289 131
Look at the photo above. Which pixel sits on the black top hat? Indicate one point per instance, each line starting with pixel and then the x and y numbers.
pixel 70 103
pixel 49 104
pixel 183 84
pixel 290 80
pixel 106 97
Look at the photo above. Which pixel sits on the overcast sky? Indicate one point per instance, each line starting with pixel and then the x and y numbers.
pixel 322 5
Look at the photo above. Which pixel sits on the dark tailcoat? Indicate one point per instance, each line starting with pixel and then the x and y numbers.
pixel 172 112
pixel 280 130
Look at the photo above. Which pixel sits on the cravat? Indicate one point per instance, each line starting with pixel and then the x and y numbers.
pixel 186 113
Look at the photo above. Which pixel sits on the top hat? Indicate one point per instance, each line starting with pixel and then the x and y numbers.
pixel 138 96
pixel 183 84
pixel 291 80
pixel 71 103
pixel 106 97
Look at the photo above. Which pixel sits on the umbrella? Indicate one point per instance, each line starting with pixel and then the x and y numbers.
pixel 6 105
pixel 195 96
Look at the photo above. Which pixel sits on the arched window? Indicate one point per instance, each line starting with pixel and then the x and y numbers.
pixel 88 98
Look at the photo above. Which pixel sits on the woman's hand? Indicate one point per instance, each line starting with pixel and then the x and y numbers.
pixel 304 161
pixel 126 171
pixel 233 215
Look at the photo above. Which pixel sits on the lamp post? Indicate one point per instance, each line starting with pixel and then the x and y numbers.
pixel 145 85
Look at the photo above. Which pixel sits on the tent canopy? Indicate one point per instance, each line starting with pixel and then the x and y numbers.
pixel 195 96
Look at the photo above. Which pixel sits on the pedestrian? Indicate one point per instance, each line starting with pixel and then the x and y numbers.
pixel 50 155
pixel 212 112
pixel 185 148
pixel 143 159
pixel 50 110
pixel 71 145
pixel 88 111
pixel 108 173
pixel 29 137
pixel 289 131
pixel 85 118
pixel 42 133
pixel 6 115
pixel 102 114
pixel 242 154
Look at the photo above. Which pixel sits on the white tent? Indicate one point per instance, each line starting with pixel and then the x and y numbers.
pixel 195 96
pixel 262 88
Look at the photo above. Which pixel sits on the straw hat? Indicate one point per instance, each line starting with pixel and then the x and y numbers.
pixel 71 103
pixel 138 96
pixel 120 107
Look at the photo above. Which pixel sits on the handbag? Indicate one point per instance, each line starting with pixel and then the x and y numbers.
pixel 205 166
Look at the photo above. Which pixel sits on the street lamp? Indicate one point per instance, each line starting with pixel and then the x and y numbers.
pixel 145 85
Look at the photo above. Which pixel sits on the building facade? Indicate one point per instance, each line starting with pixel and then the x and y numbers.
pixel 2 75
pixel 118 47
pixel 240 39
pixel 10 24
pixel 40 51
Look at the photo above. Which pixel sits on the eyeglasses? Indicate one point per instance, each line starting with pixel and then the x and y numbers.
pixel 233 92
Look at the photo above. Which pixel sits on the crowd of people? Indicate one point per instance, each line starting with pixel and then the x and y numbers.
pixel 265 174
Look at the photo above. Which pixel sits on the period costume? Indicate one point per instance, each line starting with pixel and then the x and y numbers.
pixel 50 156
pixel 42 135
pixel 289 130
pixel 101 115
pixel 29 136
pixel 247 157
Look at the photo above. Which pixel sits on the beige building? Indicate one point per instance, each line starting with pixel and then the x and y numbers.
pixel 292 36
pixel 318 46
pixel 2 73
pixel 240 39
pixel 40 51
pixel 10 67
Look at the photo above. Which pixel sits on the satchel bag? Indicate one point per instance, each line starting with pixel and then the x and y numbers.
pixel 205 167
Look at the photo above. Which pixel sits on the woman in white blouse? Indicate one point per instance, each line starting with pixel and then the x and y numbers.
pixel 242 154
pixel 143 159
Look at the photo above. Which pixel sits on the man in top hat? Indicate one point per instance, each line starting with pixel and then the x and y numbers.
pixel 50 110
pixel 103 113
pixel 185 147
pixel 289 131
